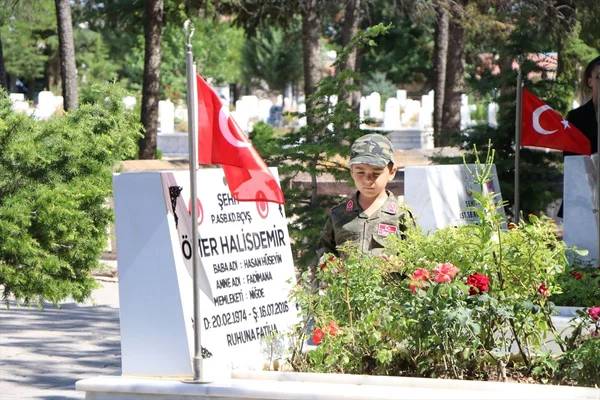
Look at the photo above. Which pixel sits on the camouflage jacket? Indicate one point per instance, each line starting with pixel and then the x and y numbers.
pixel 348 222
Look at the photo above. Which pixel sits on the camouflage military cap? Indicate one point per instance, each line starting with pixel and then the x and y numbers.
pixel 372 149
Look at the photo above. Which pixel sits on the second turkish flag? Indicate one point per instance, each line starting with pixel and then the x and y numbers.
pixel 544 127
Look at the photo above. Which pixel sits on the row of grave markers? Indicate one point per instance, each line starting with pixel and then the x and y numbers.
pixel 399 112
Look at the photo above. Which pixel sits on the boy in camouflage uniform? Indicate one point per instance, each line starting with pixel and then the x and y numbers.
pixel 372 213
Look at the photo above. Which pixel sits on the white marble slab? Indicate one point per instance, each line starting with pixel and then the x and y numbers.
pixel 288 385
pixel 580 221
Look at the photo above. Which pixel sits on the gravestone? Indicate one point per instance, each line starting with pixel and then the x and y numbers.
pixel 47 104
pixel 129 102
pixel 391 118
pixel 440 195
pixel 492 115
pixel 246 275
pixel 374 105
pixel 410 116
pixel 465 112
pixel 166 117
pixel 363 108
pixel 401 96
pixel 264 109
pixel 426 110
pixel 580 217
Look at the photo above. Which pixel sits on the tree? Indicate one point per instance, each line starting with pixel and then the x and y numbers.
pixel 455 69
pixel 440 53
pixel 55 178
pixel 273 55
pixel 3 81
pixel 68 70
pixel 154 13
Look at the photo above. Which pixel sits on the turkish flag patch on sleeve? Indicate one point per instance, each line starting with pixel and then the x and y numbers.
pixel 385 229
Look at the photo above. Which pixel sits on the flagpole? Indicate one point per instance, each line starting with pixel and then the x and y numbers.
pixel 516 204
pixel 598 166
pixel 193 159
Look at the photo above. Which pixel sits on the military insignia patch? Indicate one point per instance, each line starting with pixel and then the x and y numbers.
pixel 391 207
pixel 349 205
pixel 385 229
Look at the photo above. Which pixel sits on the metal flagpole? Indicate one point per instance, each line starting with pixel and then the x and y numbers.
pixel 192 104
pixel 598 160
pixel 516 205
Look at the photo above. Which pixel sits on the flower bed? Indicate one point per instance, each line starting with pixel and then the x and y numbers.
pixel 467 302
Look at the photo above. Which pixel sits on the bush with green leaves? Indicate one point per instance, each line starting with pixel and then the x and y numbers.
pixel 580 287
pixel 469 301
pixel 55 181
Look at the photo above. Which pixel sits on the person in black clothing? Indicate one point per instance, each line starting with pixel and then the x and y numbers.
pixel 584 117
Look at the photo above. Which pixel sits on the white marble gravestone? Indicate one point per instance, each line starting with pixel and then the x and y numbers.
pixel 391 118
pixel 166 117
pixel 246 277
pixel 374 105
pixel 580 219
pixel 439 195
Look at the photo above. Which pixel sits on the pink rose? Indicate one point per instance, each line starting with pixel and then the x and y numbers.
pixel 594 312
pixel 333 328
pixel 418 279
pixel 444 273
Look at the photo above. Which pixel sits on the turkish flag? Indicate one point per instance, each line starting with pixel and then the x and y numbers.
pixel 221 141
pixel 544 127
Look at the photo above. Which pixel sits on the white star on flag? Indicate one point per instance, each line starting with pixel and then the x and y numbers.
pixel 565 124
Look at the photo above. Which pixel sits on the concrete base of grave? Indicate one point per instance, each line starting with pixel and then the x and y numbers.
pixel 173 144
pixel 288 385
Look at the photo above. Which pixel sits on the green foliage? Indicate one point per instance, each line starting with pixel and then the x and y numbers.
pixel 320 148
pixel 377 82
pixel 404 54
pixel 455 303
pixel 55 179
pixel 581 365
pixel 275 56
pixel 27 31
pixel 580 288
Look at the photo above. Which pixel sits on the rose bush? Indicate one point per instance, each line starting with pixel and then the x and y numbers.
pixel 463 302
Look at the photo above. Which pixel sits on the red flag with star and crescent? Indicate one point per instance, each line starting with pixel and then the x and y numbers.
pixel 544 127
pixel 221 141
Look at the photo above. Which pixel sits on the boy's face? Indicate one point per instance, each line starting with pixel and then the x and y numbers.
pixel 370 180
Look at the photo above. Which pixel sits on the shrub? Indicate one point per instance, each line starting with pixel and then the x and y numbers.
pixel 55 180
pixel 463 302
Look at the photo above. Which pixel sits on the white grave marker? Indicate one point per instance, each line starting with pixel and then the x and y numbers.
pixel 247 274
pixel 391 118
pixel 439 195
pixel 580 221
pixel 166 116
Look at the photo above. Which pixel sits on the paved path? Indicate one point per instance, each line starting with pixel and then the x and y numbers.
pixel 43 352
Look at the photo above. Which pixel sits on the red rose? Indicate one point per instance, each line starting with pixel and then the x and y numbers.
pixel 317 336
pixel 577 275
pixel 594 312
pixel 445 272
pixel 543 290
pixel 479 283
pixel 333 328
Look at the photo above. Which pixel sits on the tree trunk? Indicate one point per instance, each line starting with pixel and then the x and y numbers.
pixel 3 80
pixel 454 88
pixel 311 54
pixel 349 30
pixel 68 70
pixel 439 66
pixel 153 16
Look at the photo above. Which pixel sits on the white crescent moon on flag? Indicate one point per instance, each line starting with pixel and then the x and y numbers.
pixel 224 127
pixel 536 120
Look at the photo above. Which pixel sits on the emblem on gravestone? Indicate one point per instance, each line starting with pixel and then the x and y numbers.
pixel 174 192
